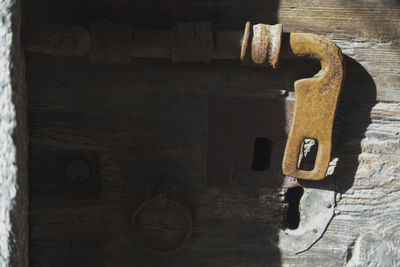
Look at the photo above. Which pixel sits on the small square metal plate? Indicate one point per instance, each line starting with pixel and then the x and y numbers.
pixel 235 128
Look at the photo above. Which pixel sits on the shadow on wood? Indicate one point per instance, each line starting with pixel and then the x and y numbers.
pixel 357 99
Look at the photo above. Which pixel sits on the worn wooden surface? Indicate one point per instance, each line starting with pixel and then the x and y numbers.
pixel 147 122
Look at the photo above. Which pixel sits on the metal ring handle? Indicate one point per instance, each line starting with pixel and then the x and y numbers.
pixel 174 248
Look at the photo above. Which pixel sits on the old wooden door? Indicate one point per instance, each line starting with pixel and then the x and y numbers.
pixel 103 136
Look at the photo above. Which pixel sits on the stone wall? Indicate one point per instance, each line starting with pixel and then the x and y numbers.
pixel 13 140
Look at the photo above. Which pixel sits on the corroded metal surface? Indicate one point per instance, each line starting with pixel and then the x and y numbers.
pixel 316 211
pixel 261 46
pixel 110 42
pixel 234 124
pixel 161 198
pixel 315 105
pixel 63 40
pixel 192 42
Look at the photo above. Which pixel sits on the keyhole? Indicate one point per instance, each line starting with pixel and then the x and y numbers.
pixel 293 213
pixel 262 154
pixel 78 172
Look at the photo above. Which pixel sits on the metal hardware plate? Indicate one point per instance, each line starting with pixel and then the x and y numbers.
pixel 316 211
pixel 233 126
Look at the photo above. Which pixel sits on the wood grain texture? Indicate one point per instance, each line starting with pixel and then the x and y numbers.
pixel 147 122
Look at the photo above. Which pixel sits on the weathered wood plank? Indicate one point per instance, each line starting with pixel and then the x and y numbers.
pixel 375 19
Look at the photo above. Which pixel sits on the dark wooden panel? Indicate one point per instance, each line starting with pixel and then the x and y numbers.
pixel 375 19
pixel 239 132
pixel 148 124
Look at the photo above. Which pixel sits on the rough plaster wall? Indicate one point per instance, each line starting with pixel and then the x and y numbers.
pixel 13 141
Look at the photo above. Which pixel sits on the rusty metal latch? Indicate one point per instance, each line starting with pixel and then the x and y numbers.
pixel 315 98
pixel 315 105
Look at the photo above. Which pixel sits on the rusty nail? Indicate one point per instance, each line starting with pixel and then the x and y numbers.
pixel 78 171
pixel 315 230
pixel 328 205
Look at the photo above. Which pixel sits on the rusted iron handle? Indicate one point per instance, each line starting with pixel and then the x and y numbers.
pixel 315 104
pixel 73 40
pixel 161 198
